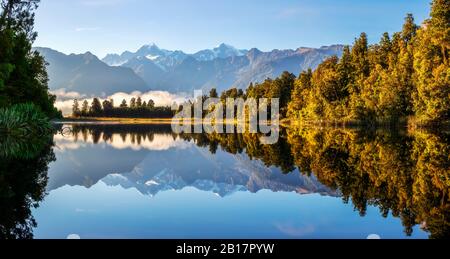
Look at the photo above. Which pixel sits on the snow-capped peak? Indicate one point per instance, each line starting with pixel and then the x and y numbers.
pixel 152 58
pixel 221 51
pixel 224 45
pixel 151 45
pixel 168 58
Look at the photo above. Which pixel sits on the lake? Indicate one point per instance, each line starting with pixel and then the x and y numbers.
pixel 143 181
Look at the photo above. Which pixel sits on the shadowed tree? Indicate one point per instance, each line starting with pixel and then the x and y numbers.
pixel 124 104
pixel 108 106
pixel 23 76
pixel 139 102
pixel 213 93
pixel 133 103
pixel 96 107
pixel 76 112
pixel 85 108
pixel 151 104
pixel 23 187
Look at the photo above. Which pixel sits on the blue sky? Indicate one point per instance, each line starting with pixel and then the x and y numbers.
pixel 112 26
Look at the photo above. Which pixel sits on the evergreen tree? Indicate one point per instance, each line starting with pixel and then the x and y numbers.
pixel 124 104
pixel 85 108
pixel 345 70
pixel 300 93
pixel 213 93
pixel 108 106
pixel 151 104
pixel 384 50
pixel 76 112
pixel 409 29
pixel 359 56
pixel 281 88
pixel 439 28
pixel 403 76
pixel 23 76
pixel 432 71
pixel 139 102
pixel 96 107
pixel 133 103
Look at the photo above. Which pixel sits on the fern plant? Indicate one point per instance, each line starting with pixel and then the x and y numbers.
pixel 23 120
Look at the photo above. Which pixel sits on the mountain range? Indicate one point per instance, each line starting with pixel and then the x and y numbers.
pixel 153 68
pixel 149 167
pixel 88 75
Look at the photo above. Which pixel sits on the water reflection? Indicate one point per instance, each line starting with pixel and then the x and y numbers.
pixel 152 159
pixel 405 174
pixel 392 179
pixel 23 178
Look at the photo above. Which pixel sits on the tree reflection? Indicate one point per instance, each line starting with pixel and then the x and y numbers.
pixel 105 132
pixel 23 178
pixel 405 174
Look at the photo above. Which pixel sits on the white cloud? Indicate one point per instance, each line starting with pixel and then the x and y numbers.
pixel 159 142
pixel 63 95
pixel 161 98
pixel 65 99
pixel 66 106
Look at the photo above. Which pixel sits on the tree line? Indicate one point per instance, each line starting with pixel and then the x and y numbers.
pixel 135 109
pixel 403 174
pixel 405 75
pixel 23 75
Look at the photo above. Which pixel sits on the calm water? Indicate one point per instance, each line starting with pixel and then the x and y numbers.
pixel 119 181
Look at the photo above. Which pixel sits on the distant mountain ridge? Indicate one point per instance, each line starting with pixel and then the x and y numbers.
pixel 86 74
pixel 167 59
pixel 222 67
pixel 153 68
pixel 221 51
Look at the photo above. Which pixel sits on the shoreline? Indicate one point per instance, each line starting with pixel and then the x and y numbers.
pixel 406 123
pixel 100 120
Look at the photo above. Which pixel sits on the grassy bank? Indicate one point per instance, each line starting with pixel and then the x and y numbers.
pixel 110 120
pixel 401 123
pixel 23 120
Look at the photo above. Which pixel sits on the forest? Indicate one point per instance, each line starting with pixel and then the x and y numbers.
pixel 25 102
pixel 406 76
pixel 136 109
pixel 403 173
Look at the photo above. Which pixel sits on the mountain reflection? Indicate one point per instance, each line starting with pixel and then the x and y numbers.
pixel 403 174
pixel 153 160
